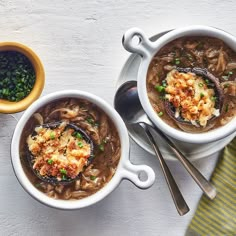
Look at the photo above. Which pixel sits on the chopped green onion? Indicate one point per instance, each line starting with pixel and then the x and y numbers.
pixel 202 95
pixel 17 76
pixel 213 98
pixel 91 121
pixel 80 144
pixel 164 83
pixel 177 61
pixel 101 147
pixel 225 77
pixel 207 81
pixel 105 140
pixel 200 84
pixel 160 113
pixel 63 171
pixel 52 135
pixel 50 161
pixel 96 124
pixel 77 135
pixel 189 56
pixel 64 177
pixel 92 177
pixel 226 85
pixel 227 108
pixel 160 88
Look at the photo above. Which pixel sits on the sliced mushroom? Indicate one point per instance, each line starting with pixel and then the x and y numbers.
pixel 39 118
pixel 229 88
pixel 231 66
pixel 42 169
pixel 222 62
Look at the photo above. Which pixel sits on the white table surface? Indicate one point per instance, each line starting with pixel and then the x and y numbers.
pixel 79 43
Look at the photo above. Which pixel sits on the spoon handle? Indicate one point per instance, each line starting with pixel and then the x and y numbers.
pixel 202 182
pixel 178 199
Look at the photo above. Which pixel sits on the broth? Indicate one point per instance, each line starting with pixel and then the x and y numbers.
pixel 101 130
pixel 194 52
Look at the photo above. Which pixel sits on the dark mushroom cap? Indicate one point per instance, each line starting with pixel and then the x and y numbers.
pixel 213 83
pixel 52 179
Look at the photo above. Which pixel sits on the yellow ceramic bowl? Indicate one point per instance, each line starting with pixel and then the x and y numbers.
pixel 12 107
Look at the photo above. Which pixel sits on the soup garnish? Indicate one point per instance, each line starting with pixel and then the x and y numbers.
pixel 17 76
pixel 59 151
pixel 192 95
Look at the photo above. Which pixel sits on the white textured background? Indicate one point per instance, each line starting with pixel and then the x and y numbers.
pixel 79 43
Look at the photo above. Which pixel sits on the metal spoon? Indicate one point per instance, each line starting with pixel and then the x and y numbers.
pixel 125 103
pixel 128 105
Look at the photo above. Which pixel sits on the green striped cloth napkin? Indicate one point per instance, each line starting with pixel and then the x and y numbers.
pixel 218 217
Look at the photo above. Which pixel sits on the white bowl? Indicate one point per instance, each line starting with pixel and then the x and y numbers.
pixel 125 169
pixel 147 49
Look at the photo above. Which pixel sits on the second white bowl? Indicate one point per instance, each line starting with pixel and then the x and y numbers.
pixel 147 49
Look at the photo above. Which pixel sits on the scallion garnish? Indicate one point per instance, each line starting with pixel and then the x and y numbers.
pixel 177 61
pixel 50 161
pixel 52 135
pixel 225 77
pixel 77 135
pixel 80 144
pixel 63 171
pixel 101 147
pixel 64 177
pixel 202 95
pixel 92 177
pixel 227 108
pixel 160 88
pixel 164 83
pixel 17 76
pixel 91 121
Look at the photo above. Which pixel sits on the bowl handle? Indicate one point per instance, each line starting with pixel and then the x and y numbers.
pixel 143 47
pixel 132 173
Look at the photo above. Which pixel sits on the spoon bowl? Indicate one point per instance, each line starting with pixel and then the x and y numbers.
pixel 128 105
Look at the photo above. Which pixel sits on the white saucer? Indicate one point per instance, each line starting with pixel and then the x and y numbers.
pixel 192 151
